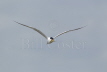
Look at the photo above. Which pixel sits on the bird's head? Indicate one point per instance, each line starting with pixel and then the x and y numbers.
pixel 51 39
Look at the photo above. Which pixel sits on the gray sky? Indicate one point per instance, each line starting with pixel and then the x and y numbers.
pixel 24 50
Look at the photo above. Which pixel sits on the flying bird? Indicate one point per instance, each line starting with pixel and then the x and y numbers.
pixel 49 39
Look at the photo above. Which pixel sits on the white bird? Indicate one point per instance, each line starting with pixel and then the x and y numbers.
pixel 49 39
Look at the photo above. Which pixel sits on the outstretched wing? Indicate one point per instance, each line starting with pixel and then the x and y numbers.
pixel 33 29
pixel 68 31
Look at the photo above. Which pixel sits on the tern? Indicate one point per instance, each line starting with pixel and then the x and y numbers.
pixel 49 39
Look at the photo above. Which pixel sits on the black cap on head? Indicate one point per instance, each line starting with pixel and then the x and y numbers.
pixel 51 38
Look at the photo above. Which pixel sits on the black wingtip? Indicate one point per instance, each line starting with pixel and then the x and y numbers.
pixel 15 21
pixel 84 26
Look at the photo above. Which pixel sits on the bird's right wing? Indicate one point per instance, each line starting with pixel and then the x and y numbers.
pixel 33 29
pixel 68 31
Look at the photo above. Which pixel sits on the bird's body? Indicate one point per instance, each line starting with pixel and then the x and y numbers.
pixel 49 39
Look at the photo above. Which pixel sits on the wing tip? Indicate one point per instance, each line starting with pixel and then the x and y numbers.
pixel 16 21
pixel 85 26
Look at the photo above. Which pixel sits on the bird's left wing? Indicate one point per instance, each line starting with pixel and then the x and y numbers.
pixel 68 31
pixel 33 29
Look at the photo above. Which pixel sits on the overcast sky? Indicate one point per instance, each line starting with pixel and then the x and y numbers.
pixel 25 50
